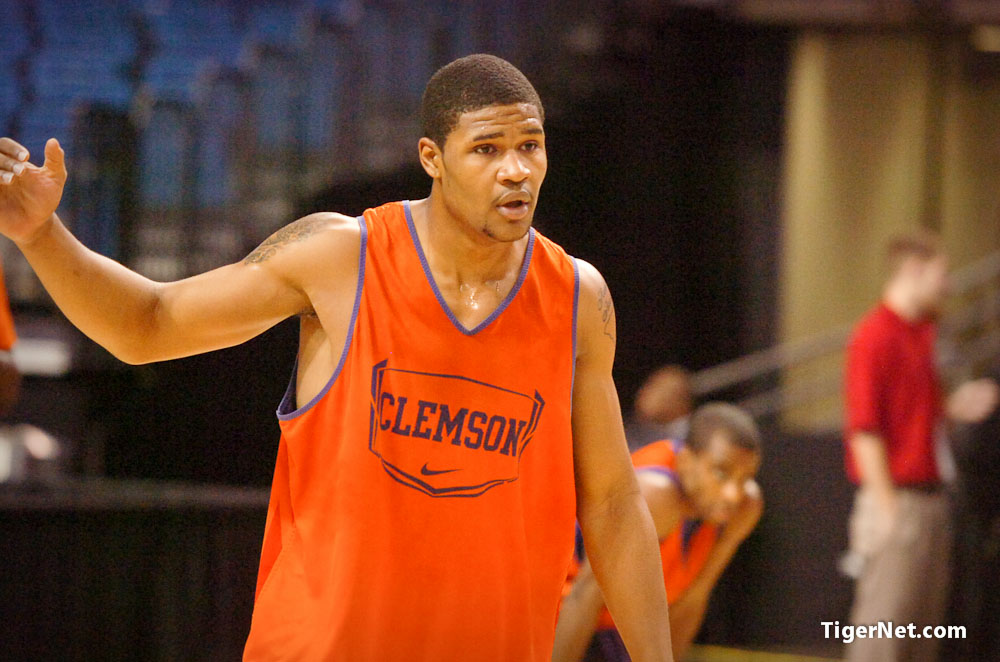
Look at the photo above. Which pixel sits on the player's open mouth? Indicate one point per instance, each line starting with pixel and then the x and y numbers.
pixel 515 209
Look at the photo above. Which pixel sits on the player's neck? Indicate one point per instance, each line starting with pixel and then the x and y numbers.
pixel 898 298
pixel 456 250
pixel 688 509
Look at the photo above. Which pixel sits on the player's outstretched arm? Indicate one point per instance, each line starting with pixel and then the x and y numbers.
pixel 140 320
pixel 618 531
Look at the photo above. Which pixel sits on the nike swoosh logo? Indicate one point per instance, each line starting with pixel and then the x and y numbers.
pixel 424 471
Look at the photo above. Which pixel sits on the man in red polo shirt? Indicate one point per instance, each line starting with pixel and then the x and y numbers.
pixel 899 527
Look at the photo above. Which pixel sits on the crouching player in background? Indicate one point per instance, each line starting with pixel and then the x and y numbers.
pixel 704 502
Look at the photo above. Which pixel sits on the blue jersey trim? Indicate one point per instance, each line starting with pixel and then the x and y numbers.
pixel 437 293
pixel 669 473
pixel 579 551
pixel 286 409
pixel 688 528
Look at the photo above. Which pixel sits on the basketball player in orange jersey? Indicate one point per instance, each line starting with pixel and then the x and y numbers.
pixel 451 411
pixel 705 502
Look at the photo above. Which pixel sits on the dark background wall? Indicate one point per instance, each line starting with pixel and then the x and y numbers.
pixel 667 182
pixel 666 177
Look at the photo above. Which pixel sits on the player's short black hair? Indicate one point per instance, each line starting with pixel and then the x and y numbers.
pixel 471 83
pixel 736 424
pixel 922 244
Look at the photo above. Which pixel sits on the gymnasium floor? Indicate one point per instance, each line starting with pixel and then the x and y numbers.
pixel 723 654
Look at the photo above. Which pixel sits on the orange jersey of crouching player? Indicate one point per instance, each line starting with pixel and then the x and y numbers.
pixel 705 502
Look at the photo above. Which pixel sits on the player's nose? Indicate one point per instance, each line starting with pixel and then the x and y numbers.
pixel 513 168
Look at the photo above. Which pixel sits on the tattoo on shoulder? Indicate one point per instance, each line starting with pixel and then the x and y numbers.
pixel 607 308
pixel 291 233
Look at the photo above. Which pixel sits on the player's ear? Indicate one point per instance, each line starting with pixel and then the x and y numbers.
pixel 430 157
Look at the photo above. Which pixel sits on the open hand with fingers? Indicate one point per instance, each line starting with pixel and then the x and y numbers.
pixel 973 401
pixel 29 194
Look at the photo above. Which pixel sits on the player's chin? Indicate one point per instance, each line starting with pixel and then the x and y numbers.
pixel 509 230
pixel 720 515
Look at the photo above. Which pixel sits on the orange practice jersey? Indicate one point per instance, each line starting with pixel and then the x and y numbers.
pixel 8 336
pixel 423 503
pixel 685 550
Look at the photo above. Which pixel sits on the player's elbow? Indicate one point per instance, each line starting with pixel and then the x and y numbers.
pixel 140 343
pixel 127 358
pixel 135 359
pixel 142 348
pixel 132 353
pixel 146 340
pixel 618 499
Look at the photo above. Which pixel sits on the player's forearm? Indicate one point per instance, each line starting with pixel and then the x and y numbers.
pixel 109 303
pixel 686 616
pixel 578 618
pixel 688 611
pixel 624 555
pixel 873 463
pixel 725 547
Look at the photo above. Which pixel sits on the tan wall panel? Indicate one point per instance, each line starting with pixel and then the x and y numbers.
pixel 855 171
pixel 970 188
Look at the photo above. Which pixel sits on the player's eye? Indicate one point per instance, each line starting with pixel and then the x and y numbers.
pixel 484 149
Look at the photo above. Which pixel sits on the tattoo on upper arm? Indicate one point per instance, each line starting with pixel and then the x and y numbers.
pixel 291 233
pixel 607 308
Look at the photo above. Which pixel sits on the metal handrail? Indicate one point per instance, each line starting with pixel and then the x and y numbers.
pixel 757 365
pixel 766 361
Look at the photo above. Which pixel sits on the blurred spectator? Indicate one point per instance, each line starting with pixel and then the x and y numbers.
pixel 975 597
pixel 662 407
pixel 900 526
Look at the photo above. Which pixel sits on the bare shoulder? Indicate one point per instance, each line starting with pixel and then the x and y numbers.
pixel 324 233
pixel 597 324
pixel 591 280
pixel 663 499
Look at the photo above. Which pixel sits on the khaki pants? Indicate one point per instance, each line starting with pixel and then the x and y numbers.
pixel 904 576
